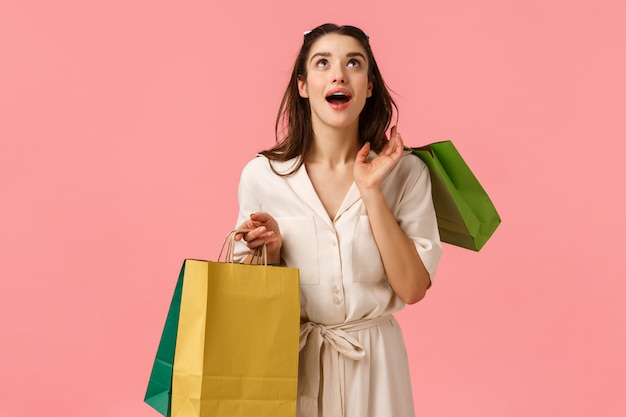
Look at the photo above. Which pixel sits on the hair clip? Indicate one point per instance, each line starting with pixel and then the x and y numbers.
pixel 306 32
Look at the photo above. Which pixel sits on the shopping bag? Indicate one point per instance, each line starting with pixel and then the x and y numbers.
pixel 237 342
pixel 465 214
pixel 159 391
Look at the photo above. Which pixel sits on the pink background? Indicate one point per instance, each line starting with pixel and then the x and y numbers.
pixel 124 126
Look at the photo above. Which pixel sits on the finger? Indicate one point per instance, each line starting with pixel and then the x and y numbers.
pixel 271 239
pixel 243 226
pixel 253 244
pixel 394 133
pixel 268 239
pixel 385 149
pixel 254 234
pixel 392 138
pixel 361 156
pixel 399 145
pixel 264 219
pixel 396 141
pixel 259 216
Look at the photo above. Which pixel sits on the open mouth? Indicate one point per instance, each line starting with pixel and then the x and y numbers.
pixel 338 97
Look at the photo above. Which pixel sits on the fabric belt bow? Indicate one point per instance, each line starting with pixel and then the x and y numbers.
pixel 323 349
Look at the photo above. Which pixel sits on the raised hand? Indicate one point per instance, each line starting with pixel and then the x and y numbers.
pixel 369 175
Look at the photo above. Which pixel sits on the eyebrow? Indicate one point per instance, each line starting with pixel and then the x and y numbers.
pixel 348 55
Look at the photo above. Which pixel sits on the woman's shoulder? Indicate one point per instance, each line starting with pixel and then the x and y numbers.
pixel 262 165
pixel 410 165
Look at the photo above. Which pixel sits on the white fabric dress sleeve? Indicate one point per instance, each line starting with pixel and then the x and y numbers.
pixel 248 203
pixel 416 213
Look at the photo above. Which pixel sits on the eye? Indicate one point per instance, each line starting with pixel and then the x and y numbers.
pixel 321 63
pixel 354 63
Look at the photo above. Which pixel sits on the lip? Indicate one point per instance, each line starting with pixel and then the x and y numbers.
pixel 339 106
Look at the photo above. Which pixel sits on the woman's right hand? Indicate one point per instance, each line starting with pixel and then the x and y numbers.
pixel 263 230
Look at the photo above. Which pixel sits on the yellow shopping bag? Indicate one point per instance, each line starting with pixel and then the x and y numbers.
pixel 237 341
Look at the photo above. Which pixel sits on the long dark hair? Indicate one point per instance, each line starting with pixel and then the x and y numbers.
pixel 294 131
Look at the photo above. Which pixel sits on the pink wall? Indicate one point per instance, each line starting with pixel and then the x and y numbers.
pixel 124 126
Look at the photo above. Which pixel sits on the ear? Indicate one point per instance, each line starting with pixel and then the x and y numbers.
pixel 302 87
pixel 370 87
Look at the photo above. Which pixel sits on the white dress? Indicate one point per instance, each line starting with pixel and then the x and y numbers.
pixel 353 361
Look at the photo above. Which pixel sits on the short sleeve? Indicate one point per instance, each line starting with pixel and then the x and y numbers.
pixel 416 213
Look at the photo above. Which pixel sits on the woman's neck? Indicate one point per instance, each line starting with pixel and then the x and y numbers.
pixel 334 146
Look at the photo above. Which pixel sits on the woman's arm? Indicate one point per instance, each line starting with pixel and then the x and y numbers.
pixel 405 270
pixel 263 227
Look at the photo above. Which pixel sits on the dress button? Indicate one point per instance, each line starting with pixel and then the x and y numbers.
pixel 337 301
pixel 336 290
pixel 334 243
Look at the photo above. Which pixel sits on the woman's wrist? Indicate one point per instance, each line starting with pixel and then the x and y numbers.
pixel 273 258
pixel 372 196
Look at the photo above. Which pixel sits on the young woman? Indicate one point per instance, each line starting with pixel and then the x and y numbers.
pixel 349 208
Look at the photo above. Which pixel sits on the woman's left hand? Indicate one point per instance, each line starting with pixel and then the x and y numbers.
pixel 370 175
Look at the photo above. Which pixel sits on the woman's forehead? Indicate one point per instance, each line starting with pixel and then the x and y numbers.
pixel 336 44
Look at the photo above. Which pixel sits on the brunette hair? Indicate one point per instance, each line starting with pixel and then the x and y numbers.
pixel 294 113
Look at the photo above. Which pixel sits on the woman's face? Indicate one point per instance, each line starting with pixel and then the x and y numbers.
pixel 336 83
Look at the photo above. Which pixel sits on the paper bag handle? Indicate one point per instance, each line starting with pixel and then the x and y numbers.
pixel 259 253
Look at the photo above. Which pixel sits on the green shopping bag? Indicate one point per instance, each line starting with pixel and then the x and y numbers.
pixel 465 214
pixel 159 391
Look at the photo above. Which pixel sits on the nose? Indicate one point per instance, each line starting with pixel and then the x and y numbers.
pixel 338 75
